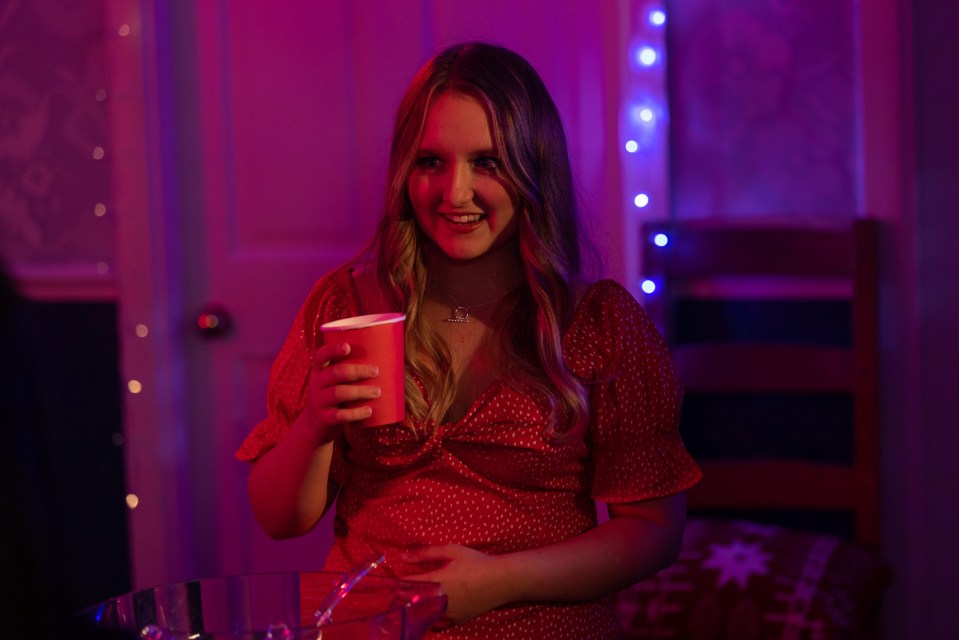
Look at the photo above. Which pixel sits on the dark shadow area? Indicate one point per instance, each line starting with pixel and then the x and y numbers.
pixel 820 322
pixel 61 471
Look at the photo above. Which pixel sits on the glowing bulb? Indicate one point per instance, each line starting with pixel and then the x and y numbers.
pixel 641 200
pixel 641 115
pixel 132 500
pixel 648 286
pixel 657 17
pixel 134 386
pixel 124 30
pixel 660 239
pixel 646 56
pixel 632 146
pixel 98 153
pixel 142 330
pixel 100 210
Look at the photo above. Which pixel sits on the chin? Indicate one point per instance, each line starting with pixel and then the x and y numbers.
pixel 457 251
pixel 464 256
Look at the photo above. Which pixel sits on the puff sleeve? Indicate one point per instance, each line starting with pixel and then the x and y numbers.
pixel 635 399
pixel 333 297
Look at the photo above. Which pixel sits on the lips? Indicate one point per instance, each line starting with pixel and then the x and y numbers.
pixel 463 219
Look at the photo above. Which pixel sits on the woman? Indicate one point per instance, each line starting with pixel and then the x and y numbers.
pixel 530 392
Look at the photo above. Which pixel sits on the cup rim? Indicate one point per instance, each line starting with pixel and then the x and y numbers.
pixel 361 322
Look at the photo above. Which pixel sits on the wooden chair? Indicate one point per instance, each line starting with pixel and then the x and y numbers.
pixel 737 301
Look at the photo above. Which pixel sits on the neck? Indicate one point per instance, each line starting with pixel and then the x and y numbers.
pixel 495 272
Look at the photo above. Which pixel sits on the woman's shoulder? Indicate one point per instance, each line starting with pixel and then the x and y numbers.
pixel 609 327
pixel 333 296
pixel 369 294
pixel 335 284
pixel 607 307
pixel 353 285
pixel 604 295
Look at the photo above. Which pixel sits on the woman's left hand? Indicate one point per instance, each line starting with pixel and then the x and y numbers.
pixel 469 578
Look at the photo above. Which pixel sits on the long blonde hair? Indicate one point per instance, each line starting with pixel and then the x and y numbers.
pixel 529 133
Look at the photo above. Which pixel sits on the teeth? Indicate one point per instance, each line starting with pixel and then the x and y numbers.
pixel 464 219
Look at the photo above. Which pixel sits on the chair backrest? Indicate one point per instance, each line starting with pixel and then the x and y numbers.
pixel 784 318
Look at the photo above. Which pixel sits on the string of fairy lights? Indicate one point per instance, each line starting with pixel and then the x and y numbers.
pixel 644 130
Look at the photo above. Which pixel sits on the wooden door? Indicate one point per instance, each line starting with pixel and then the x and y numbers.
pixel 293 132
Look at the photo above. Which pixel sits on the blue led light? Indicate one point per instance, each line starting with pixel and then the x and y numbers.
pixel 642 114
pixel 648 286
pixel 660 239
pixel 646 56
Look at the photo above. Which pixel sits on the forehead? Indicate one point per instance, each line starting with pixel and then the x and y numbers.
pixel 457 120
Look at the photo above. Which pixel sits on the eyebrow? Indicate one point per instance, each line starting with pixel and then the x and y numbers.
pixel 477 152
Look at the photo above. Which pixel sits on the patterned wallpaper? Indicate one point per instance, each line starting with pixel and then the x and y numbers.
pixel 764 108
pixel 54 180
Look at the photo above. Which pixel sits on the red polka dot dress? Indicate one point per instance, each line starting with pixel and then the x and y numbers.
pixel 493 481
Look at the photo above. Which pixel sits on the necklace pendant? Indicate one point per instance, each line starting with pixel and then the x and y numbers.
pixel 458 314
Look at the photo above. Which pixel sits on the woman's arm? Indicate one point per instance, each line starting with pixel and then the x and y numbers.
pixel 289 486
pixel 639 539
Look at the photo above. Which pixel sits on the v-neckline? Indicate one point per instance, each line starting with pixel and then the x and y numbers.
pixel 497 382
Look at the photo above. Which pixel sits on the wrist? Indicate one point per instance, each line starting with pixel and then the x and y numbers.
pixel 309 430
pixel 506 578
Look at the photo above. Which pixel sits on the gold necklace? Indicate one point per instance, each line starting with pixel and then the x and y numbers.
pixel 460 313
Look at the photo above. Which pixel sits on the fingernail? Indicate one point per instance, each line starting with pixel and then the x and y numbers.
pixel 367 411
pixel 374 371
pixel 376 391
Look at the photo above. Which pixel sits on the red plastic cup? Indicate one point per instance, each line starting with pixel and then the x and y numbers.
pixel 375 339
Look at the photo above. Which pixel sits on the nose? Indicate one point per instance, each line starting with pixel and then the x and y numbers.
pixel 459 186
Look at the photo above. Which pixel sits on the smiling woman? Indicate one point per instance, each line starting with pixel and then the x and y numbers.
pixel 463 203
pixel 531 393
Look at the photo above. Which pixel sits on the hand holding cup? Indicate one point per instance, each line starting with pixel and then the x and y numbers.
pixel 374 359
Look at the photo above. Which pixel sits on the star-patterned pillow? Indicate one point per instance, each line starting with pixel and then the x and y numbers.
pixel 741 580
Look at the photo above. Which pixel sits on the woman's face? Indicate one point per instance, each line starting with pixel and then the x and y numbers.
pixel 459 192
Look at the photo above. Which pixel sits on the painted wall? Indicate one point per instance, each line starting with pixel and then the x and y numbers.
pixel 56 223
pixel 764 111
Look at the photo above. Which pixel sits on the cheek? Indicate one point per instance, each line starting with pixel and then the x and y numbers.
pixel 506 205
pixel 419 190
pixel 412 190
pixel 418 196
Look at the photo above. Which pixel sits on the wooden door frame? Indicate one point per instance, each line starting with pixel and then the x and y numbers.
pixel 156 424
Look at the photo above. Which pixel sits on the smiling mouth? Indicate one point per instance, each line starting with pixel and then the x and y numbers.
pixel 464 219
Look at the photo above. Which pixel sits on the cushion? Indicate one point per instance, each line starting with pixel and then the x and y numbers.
pixel 742 580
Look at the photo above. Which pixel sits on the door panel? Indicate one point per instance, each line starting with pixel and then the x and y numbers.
pixel 280 180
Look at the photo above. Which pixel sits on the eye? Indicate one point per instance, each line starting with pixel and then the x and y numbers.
pixel 427 162
pixel 488 163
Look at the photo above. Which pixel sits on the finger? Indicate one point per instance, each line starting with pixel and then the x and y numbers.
pixel 336 395
pixel 426 576
pixel 442 624
pixel 340 415
pixel 426 555
pixel 338 372
pixel 326 354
